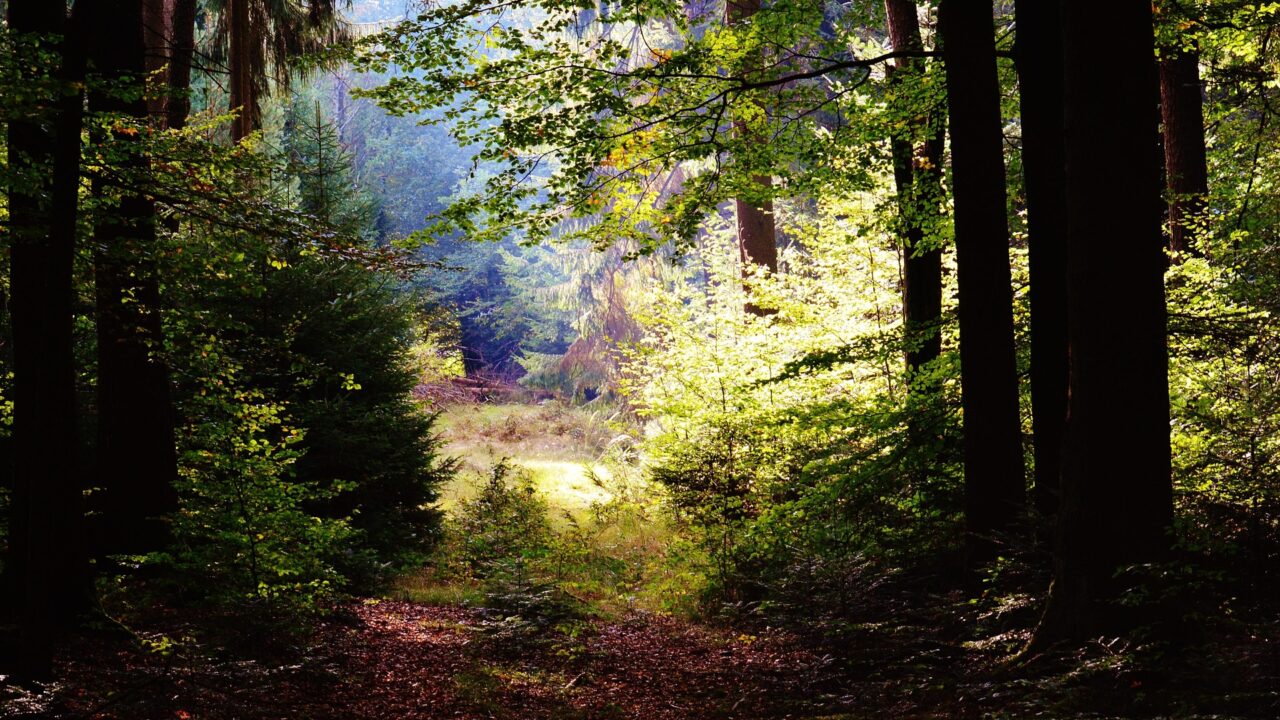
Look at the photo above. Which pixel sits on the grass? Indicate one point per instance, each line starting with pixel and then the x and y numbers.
pixel 428 590
pixel 560 446
pixel 613 545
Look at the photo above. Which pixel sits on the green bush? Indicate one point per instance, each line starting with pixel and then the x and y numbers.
pixel 345 370
pixel 505 522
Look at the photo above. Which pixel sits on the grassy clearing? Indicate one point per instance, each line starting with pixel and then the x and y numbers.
pixel 549 431
pixel 601 533
pixel 563 448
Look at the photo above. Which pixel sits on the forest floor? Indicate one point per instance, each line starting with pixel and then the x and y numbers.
pixel 392 659
pixel 432 650
pixel 389 659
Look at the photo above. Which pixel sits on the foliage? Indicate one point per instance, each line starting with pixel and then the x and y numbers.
pixel 243 528
pixel 1224 347
pixel 305 465
pixel 1225 361
pixel 506 521
pixel 623 116
pixel 792 435
pixel 331 339
pixel 345 374
pixel 243 531
pixel 434 355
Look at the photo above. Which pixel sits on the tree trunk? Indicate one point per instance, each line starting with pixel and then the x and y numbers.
pixel 917 174
pixel 757 231
pixel 1039 53
pixel 1186 168
pixel 157 31
pixel 137 462
pixel 178 106
pixel 995 487
pixel 1117 495
pixel 243 99
pixel 47 569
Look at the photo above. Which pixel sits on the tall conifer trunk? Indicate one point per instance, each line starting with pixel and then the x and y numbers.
pixel 995 489
pixel 47 578
pixel 178 106
pixel 1039 53
pixel 243 99
pixel 137 463
pixel 1117 495
pixel 1185 162
pixel 917 173
pixel 157 32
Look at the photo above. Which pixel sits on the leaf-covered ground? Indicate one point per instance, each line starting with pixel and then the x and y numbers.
pixel 391 659
pixel 385 659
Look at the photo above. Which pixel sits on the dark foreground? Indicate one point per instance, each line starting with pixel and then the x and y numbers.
pixel 389 659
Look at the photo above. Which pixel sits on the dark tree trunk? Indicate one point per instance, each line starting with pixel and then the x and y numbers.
pixel 157 32
pixel 47 571
pixel 1186 168
pixel 995 488
pixel 1117 495
pixel 1040 79
pixel 917 173
pixel 178 106
pixel 757 231
pixel 243 99
pixel 137 463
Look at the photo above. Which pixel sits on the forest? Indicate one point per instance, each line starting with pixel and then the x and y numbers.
pixel 630 359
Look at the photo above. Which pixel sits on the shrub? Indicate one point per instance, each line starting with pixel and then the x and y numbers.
pixel 505 522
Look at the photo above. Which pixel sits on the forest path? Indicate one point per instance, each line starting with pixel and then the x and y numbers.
pixel 408 660
pixel 413 658
pixel 404 659
pixel 398 660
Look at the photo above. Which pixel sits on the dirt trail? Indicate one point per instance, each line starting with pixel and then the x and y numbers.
pixel 415 661
pixel 388 660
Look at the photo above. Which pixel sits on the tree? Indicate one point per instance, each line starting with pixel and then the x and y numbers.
pixel 917 173
pixel 1117 500
pixel 757 232
pixel 1185 163
pixel 136 459
pixel 327 186
pixel 47 573
pixel 243 96
pixel 1039 54
pixel 262 37
pixel 169 33
pixel 994 483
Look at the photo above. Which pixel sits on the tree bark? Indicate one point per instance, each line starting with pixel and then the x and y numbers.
pixel 917 173
pixel 1186 167
pixel 47 571
pixel 1117 501
pixel 757 231
pixel 243 98
pixel 137 461
pixel 178 106
pixel 995 488
pixel 1039 54
pixel 157 31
